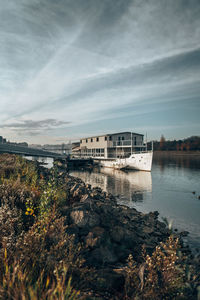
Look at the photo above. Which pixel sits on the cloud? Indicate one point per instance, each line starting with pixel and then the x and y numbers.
pixel 170 79
pixel 85 61
pixel 33 127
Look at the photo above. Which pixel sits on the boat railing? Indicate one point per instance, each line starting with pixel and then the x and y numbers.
pixel 125 143
pixel 121 143
pixel 90 155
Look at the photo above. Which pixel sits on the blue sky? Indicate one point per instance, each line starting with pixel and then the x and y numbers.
pixel 74 68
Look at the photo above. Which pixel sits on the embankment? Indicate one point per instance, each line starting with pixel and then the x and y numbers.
pixel 105 233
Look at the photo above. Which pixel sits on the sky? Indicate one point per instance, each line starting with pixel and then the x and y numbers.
pixel 76 68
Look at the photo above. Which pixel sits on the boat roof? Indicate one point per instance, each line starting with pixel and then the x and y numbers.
pixel 110 134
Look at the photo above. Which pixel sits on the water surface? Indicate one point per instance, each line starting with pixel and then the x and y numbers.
pixel 172 188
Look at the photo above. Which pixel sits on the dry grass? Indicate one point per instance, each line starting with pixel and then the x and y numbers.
pixel 39 260
pixel 163 275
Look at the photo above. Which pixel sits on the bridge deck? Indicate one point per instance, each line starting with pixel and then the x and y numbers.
pixel 13 149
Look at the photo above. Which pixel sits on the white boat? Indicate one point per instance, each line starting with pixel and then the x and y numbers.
pixel 122 150
pixel 136 161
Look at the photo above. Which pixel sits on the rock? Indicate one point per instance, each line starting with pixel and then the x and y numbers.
pixel 98 231
pixel 148 229
pixel 90 240
pixel 74 187
pixel 78 192
pixel 101 256
pixel 88 186
pixel 117 234
pixel 79 217
pixel 82 217
pixel 84 197
pixel 109 232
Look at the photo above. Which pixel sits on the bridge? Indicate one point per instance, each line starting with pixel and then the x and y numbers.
pixel 26 151
pixel 65 160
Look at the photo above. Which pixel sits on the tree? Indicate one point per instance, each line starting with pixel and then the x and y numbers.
pixel 162 143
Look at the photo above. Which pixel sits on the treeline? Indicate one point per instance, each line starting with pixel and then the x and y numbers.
pixel 189 144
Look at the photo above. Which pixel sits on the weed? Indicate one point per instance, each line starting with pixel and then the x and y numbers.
pixel 160 276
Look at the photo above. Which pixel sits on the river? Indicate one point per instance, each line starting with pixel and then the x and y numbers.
pixel 172 188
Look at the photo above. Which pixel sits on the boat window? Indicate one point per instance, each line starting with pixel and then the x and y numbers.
pixel 86 141
pixel 91 140
pixel 97 139
pixel 122 138
pixel 110 138
pixel 105 138
pixel 119 138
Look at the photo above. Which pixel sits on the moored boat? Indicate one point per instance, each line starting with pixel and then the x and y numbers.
pixel 123 150
pixel 137 161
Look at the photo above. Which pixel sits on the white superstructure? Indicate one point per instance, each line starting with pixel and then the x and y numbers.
pixel 123 150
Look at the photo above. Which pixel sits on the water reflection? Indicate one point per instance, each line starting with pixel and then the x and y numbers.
pixel 127 186
pixel 176 160
pixel 172 188
pixel 45 161
pixel 169 189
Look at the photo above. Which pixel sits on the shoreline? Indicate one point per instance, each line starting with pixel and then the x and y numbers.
pixel 107 232
pixel 177 153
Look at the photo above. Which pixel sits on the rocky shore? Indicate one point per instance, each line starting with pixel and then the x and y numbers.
pixel 49 218
pixel 109 231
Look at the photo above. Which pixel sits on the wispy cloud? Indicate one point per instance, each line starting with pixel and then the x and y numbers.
pixel 33 127
pixel 86 61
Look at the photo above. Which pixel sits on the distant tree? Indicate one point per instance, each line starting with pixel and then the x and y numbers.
pixel 194 142
pixel 177 146
pixel 189 144
pixel 162 143
pixel 188 147
pixel 182 146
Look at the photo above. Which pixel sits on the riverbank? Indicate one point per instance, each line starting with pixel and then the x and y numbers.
pixel 177 153
pixel 51 221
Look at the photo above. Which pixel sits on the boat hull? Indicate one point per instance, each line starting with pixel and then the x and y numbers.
pixel 137 161
pixel 140 161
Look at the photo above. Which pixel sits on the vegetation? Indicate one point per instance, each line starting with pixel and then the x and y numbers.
pixel 189 144
pixel 37 257
pixel 39 260
pixel 163 275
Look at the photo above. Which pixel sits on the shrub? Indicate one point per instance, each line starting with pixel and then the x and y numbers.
pixel 161 275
